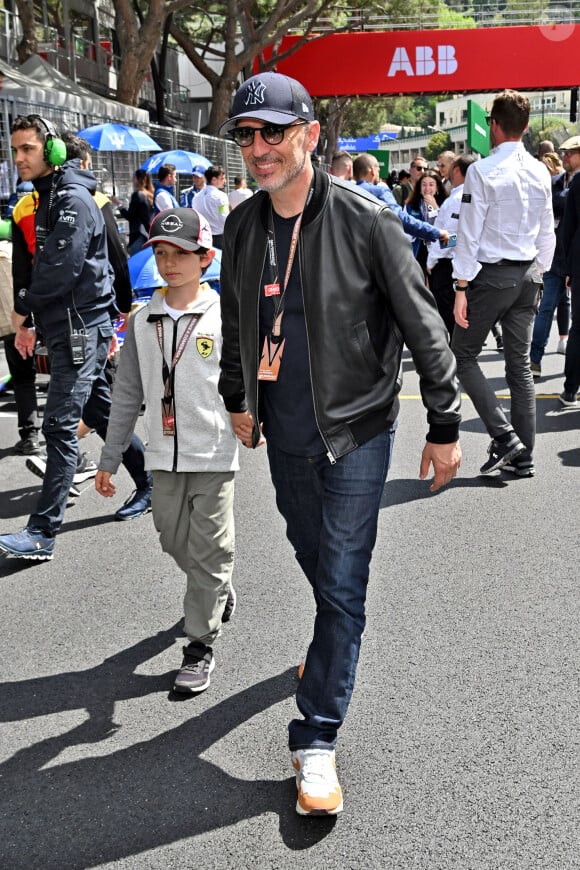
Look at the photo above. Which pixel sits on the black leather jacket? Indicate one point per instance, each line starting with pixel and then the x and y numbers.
pixel 363 297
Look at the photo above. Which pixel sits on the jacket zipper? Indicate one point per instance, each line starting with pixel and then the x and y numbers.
pixel 172 383
pixel 329 454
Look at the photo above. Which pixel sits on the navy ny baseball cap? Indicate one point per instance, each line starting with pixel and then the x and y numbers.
pixel 183 227
pixel 272 98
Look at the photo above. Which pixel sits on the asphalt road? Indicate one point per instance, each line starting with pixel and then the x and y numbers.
pixel 461 747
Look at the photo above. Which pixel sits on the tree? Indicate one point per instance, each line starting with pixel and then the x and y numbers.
pixel 138 34
pixel 28 45
pixel 438 142
pixel 236 34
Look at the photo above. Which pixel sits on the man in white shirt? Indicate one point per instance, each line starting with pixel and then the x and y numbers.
pixel 212 202
pixel 240 192
pixel 440 256
pixel 505 242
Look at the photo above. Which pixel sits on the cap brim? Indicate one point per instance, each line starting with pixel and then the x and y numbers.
pixel 269 117
pixel 177 243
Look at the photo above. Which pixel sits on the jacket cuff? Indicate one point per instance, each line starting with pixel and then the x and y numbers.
pixel 445 434
pixel 236 404
pixel 20 307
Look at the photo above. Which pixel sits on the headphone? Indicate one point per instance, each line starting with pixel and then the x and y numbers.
pixel 54 147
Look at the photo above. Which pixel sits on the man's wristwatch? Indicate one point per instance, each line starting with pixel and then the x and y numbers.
pixel 460 287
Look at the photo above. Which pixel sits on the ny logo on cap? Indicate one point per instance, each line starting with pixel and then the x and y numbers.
pixel 255 94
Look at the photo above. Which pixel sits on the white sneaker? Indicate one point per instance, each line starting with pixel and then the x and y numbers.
pixel 561 348
pixel 319 791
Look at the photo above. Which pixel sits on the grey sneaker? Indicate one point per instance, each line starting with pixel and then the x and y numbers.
pixel 193 676
pixel 536 370
pixel 37 464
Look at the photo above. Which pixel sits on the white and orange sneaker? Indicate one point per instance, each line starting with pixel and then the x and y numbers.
pixel 319 791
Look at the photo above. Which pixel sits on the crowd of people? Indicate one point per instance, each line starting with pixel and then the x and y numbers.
pixel 325 277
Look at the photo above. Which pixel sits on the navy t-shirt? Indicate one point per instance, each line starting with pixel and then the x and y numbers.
pixel 286 405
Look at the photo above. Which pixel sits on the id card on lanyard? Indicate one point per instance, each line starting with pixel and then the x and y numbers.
pixel 273 347
pixel 167 404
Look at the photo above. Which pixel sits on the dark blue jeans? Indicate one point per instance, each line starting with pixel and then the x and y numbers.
pixel 554 294
pixel 331 514
pixel 24 383
pixel 74 392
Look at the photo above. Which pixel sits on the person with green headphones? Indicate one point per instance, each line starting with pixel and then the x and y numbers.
pixel 70 297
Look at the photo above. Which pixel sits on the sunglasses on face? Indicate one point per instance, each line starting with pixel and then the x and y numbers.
pixel 272 134
pixel 419 168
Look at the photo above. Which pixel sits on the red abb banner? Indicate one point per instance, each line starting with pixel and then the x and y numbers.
pixel 437 61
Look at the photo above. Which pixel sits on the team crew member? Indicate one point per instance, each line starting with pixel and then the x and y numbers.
pixel 70 295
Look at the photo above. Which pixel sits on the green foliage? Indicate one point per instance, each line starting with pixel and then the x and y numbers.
pixel 438 142
pixel 450 19
pixel 550 127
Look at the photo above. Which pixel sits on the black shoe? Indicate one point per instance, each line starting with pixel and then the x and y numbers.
pixel 230 605
pixel 137 504
pixel 520 467
pixel 28 446
pixel 500 454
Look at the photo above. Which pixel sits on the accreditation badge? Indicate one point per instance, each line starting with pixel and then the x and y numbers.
pixel 271 358
pixel 168 416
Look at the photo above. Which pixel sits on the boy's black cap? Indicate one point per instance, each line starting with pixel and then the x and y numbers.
pixel 272 98
pixel 183 227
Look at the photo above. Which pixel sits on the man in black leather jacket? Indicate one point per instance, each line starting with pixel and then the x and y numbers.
pixel 318 277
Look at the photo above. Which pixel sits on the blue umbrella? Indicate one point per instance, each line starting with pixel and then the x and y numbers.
pixel 145 275
pixel 118 137
pixel 184 161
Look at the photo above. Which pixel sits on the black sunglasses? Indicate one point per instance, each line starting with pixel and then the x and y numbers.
pixel 272 134
pixel 488 120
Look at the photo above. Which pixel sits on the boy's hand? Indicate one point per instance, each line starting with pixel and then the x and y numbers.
pixel 243 426
pixel 104 484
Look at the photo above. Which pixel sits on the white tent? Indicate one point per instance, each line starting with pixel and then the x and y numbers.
pixel 37 82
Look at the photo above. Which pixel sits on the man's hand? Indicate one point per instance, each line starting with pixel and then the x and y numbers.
pixel 24 340
pixel 444 237
pixel 446 460
pixel 460 309
pixel 104 485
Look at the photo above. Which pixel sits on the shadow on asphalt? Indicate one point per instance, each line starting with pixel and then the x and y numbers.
pixel 570 458
pixel 402 491
pixel 97 810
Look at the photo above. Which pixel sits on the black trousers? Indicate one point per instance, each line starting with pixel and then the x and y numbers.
pixel 441 286
pixel 23 380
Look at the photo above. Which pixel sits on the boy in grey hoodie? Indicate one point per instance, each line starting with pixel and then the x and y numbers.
pixel 170 361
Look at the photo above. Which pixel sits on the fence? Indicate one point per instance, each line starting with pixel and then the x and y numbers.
pixel 119 166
